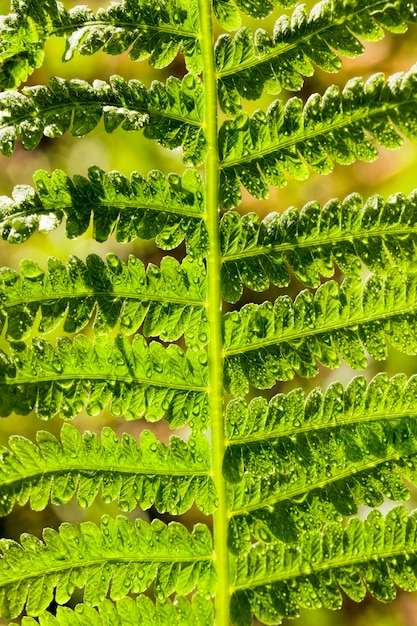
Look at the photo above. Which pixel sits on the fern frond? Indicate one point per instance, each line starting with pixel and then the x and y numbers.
pixel 269 508
pixel 142 612
pixel 22 39
pixel 120 555
pixel 169 301
pixel 378 233
pixel 249 64
pixel 266 147
pixel 311 460
pixel 170 478
pixel 286 415
pixel 268 342
pixel 378 554
pixel 152 30
pixel 170 113
pixel 138 379
pixel 148 30
pixel 170 208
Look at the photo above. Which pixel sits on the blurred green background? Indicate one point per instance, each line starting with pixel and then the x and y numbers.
pixel 393 171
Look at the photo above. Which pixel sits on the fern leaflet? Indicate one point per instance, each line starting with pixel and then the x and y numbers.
pixel 127 611
pixel 171 113
pixel 250 63
pixel 264 343
pixel 377 233
pixel 264 147
pixel 137 378
pixel 169 301
pixel 120 555
pixel 167 208
pixel 171 478
pixel 377 555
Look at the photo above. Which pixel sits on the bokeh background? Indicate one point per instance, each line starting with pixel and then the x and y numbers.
pixel 124 151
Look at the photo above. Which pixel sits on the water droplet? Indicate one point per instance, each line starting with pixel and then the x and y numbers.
pixel 83 502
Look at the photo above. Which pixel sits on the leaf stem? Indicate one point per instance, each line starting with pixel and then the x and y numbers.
pixel 215 349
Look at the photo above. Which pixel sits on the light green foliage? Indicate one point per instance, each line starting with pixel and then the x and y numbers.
pixel 376 555
pixel 284 140
pixel 267 342
pixel 354 443
pixel 167 208
pixel 169 299
pixel 126 611
pixel 172 478
pixel 124 555
pixel 250 63
pixel 138 379
pixel 283 477
pixel 146 30
pixel 170 113
pixel 376 233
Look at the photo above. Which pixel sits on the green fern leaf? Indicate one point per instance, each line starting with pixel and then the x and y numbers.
pixel 249 64
pixel 297 462
pixel 122 555
pixel 171 113
pixel 282 478
pixel 294 413
pixel 168 208
pixel 146 30
pixel 264 343
pixel 138 379
pixel 169 301
pixel 22 38
pixel 266 147
pixel 142 612
pixel 377 233
pixel 158 32
pixel 375 555
pixel 170 478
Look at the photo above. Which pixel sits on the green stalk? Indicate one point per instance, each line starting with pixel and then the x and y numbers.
pixel 215 350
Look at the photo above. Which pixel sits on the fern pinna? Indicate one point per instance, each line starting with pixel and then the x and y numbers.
pixel 282 476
